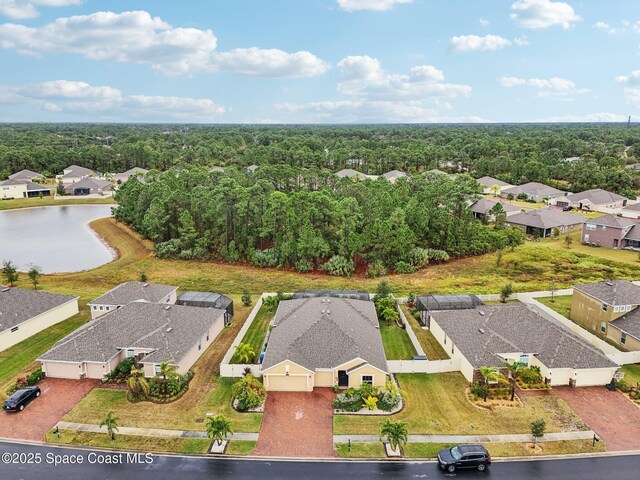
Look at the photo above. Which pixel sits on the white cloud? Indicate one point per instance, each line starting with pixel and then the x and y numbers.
pixel 632 79
pixel 632 87
pixel 363 76
pixel 473 43
pixel 589 118
pixel 137 37
pixel 376 5
pixel 521 41
pixel 483 22
pixel 540 14
pixel 21 9
pixel 99 101
pixel 555 87
pixel 608 28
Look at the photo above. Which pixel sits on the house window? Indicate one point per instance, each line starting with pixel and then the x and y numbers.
pixel 603 327
pixel 524 359
pixel 101 307
pixel 604 307
pixel 590 226
pixel 94 307
pixel 616 309
pixel 367 379
pixel 623 338
pixel 14 329
pixel 627 308
pixel 156 369
pixel 130 353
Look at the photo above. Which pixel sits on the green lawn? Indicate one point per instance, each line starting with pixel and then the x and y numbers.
pixel 360 450
pixel 396 341
pixel 20 359
pixel 46 201
pixel 241 447
pixel 436 404
pixel 428 342
pixel 561 304
pixel 631 373
pixel 257 332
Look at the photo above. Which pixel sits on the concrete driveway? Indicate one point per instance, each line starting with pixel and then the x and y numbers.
pixel 610 414
pixel 297 424
pixel 58 397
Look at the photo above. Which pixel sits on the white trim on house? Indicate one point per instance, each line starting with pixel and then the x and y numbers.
pixel 285 361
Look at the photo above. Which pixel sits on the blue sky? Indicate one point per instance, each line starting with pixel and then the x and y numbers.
pixel 319 61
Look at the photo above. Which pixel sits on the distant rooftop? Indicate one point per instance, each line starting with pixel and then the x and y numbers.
pixel 134 291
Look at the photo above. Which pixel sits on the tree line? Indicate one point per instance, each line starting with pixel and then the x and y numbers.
pixel 308 219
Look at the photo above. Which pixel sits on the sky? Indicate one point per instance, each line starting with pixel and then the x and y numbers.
pixel 319 61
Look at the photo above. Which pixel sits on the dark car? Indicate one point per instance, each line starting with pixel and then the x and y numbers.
pixel 567 208
pixel 464 456
pixel 20 398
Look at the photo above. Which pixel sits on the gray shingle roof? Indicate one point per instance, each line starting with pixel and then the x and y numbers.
pixel 483 206
pixel 545 218
pixel 124 176
pixel 394 174
pixel 534 189
pixel 12 182
pixel 303 334
pixel 25 175
pixel 348 172
pixel 611 220
pixel 78 171
pixel 513 328
pixel 89 182
pixel 33 187
pixel 490 182
pixel 134 291
pixel 170 332
pixel 18 305
pixel 613 292
pixel 629 323
pixel 597 196
pixel 634 208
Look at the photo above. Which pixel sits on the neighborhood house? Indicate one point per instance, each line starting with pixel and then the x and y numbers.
pixel 89 186
pixel 543 222
pixel 120 178
pixel 611 231
pixel 75 173
pixel 597 200
pixel 24 313
pixel 534 191
pixel 152 333
pixel 610 310
pixel 486 209
pixel 12 189
pixel 26 175
pixel 132 292
pixel 322 342
pixel 490 335
pixel 492 185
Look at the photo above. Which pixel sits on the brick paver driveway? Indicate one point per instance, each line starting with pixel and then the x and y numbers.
pixel 58 397
pixel 610 414
pixel 297 424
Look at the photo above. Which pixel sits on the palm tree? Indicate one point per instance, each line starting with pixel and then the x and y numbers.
pixel 245 353
pixel 390 315
pixel 491 375
pixel 137 382
pixel 395 433
pixel 111 423
pixel 168 371
pixel 218 428
pixel 513 375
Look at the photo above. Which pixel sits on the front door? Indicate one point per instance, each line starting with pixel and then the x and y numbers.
pixel 343 378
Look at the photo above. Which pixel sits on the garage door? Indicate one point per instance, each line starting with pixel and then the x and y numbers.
pixel 291 383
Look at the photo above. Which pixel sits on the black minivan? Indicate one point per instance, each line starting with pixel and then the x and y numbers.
pixel 464 456
pixel 18 399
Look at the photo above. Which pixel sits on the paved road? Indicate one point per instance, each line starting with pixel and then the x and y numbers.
pixel 192 468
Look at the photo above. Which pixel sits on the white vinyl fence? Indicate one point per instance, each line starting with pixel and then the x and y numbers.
pixel 237 370
pixel 423 366
pixel 624 358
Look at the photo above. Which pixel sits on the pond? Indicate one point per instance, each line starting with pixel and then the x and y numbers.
pixel 56 239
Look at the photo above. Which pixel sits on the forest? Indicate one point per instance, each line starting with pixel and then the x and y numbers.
pixel 308 219
pixel 515 153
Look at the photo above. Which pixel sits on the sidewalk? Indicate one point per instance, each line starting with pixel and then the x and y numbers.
pixel 516 438
pixel 148 432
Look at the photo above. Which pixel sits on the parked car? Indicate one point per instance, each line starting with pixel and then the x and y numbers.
pixel 568 208
pixel 464 456
pixel 20 398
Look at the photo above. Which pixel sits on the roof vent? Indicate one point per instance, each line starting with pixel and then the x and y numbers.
pixel 5 289
pixel 328 311
pixel 481 312
pixel 481 330
pixel 167 307
pixel 328 300
pixel 145 284
pixel 609 283
pixel 169 329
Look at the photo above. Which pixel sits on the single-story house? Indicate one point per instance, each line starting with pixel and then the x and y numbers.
pixel 322 342
pixel 354 174
pixel 36 190
pixel 611 231
pixel 120 178
pixel 75 173
pixel 483 208
pixel 252 168
pixel 633 166
pixel 89 186
pixel 394 175
pixel 436 172
pixel 132 292
pixel 208 300
pixel 598 200
pixel 534 191
pixel 24 313
pixel 492 185
pixel 351 294
pixel 11 189
pixel 26 175
pixel 490 335
pixel 610 310
pixel 544 220
pixel 427 303
pixel 631 211
pixel 151 333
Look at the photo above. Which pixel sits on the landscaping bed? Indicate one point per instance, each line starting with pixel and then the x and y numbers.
pixel 496 398
pixel 257 332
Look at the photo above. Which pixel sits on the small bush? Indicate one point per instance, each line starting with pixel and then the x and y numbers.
pixel 404 267
pixel 339 266
pixel 35 377
pixel 249 392
pixel 304 266
pixel 122 370
pixel 376 269
pixel 265 258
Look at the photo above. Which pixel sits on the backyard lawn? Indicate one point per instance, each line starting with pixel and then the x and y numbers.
pixel 436 404
pixel 631 373
pixel 396 341
pixel 430 345
pixel 46 201
pixel 561 304
pixel 257 332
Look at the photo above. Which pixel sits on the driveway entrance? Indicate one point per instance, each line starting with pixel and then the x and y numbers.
pixel 297 424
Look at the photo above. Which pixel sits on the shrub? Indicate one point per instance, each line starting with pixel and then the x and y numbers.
pixel 122 370
pixel 530 376
pixel 349 401
pixel 478 390
pixel 265 258
pixel 376 269
pixel 303 265
pixel 623 386
pixel 169 249
pixel 249 392
pixel 339 266
pixel 404 267
pixel 437 255
pixel 35 377
pixel 371 402
pixel 246 298
pixel 388 401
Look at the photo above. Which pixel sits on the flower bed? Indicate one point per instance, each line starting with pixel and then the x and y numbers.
pixel 249 394
pixel 496 397
pixel 164 391
pixel 369 400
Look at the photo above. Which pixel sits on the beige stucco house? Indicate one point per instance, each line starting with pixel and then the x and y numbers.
pixel 152 333
pixel 610 310
pixel 322 342
pixel 490 335
pixel 11 189
pixel 132 292
pixel 24 313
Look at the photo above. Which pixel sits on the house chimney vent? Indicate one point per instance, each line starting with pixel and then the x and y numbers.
pixel 481 312
pixel 481 330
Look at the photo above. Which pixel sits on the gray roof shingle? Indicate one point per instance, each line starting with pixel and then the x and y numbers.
pixel 613 292
pixel 169 330
pixel 25 175
pixel 533 189
pixel 611 220
pixel 483 206
pixel 323 332
pixel 629 323
pixel 490 182
pixel 18 305
pixel 134 291
pixel 513 328
pixel 545 218
pixel 76 171
pixel 597 196
pixel 394 174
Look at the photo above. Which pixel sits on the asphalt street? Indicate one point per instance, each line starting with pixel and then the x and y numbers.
pixel 35 462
